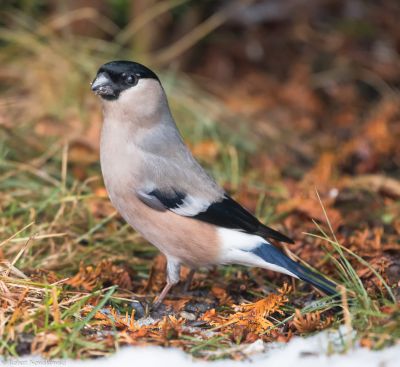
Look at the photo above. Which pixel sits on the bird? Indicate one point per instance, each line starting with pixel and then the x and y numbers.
pixel 161 190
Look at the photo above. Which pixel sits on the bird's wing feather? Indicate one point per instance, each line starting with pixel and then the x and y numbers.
pixel 226 213
pixel 230 214
pixel 151 200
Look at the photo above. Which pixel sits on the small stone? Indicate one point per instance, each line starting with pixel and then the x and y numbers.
pixel 188 316
pixel 139 309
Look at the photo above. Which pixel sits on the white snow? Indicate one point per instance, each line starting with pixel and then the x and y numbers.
pixel 299 352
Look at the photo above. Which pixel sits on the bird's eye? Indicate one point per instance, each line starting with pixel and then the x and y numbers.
pixel 130 79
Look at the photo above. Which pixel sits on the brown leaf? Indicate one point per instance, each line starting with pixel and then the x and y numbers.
pixel 207 150
pixel 176 305
pixel 222 296
pixel 251 317
pixel 309 322
pixel 89 278
pixel 321 174
pixel 312 209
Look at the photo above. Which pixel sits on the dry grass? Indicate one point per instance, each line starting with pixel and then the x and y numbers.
pixel 69 265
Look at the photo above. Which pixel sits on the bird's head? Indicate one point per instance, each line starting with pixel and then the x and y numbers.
pixel 129 89
pixel 118 77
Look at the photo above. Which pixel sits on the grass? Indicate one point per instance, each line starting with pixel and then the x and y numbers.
pixel 56 221
pixel 69 222
pixel 361 312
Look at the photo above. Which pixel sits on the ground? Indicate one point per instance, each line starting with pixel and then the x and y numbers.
pixel 307 140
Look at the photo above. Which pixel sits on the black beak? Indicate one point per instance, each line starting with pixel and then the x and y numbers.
pixel 103 86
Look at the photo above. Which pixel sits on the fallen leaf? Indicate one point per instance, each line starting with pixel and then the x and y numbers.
pixel 310 322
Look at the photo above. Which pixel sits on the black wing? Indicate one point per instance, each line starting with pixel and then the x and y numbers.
pixel 226 213
pixel 230 214
pixel 171 200
pixel 162 200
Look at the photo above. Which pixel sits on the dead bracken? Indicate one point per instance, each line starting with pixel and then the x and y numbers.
pixel 308 140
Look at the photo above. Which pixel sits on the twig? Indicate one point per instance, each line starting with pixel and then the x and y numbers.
pixel 203 29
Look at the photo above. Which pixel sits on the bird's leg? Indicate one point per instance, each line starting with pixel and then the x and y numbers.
pixel 173 274
pixel 188 280
pixel 162 295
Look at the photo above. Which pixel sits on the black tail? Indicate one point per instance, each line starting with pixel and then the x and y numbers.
pixel 272 255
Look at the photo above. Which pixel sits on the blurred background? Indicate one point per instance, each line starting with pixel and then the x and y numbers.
pixel 297 72
pixel 278 99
